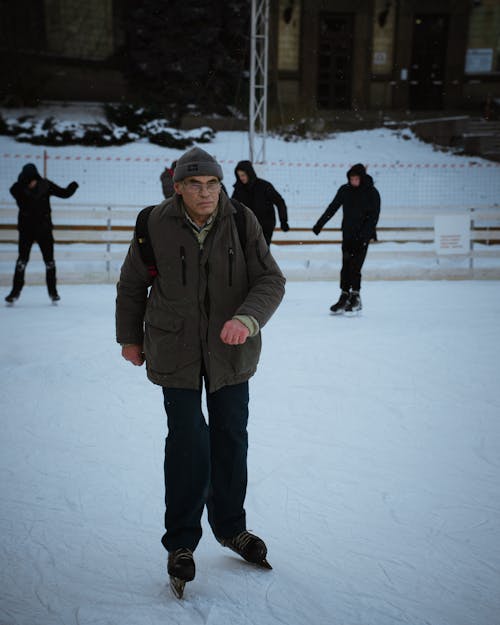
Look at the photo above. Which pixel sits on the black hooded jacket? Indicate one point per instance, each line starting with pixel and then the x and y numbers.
pixel 360 205
pixel 261 197
pixel 34 204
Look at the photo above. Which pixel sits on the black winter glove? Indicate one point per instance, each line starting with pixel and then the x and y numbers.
pixel 74 185
pixel 285 227
pixel 316 229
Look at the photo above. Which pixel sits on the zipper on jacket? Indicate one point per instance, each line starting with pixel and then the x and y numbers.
pixel 207 294
pixel 183 264
pixel 259 257
pixel 231 260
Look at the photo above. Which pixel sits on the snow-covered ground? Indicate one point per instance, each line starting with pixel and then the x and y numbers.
pixel 408 172
pixel 374 466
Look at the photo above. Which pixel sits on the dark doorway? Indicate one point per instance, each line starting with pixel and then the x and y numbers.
pixel 334 60
pixel 428 61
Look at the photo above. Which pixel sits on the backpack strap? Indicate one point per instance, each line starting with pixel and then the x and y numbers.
pixel 146 251
pixel 141 235
pixel 241 224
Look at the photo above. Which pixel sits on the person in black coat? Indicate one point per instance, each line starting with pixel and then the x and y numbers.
pixel 32 194
pixel 261 197
pixel 360 202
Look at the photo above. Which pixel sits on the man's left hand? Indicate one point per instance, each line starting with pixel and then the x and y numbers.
pixel 234 332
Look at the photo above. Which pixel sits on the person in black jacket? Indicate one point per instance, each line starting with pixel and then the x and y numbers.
pixel 261 197
pixel 360 202
pixel 32 194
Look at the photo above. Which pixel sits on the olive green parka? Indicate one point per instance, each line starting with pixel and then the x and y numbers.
pixel 179 320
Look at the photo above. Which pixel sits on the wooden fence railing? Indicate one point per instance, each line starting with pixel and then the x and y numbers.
pixel 91 241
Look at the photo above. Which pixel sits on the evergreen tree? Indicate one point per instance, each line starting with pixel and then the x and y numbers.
pixel 189 54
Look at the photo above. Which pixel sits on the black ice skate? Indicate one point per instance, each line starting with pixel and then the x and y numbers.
pixel 181 569
pixel 339 307
pixel 12 297
pixel 251 548
pixel 354 305
pixel 54 297
pixel 17 284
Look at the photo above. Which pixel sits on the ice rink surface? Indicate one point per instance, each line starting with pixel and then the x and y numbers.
pixel 374 466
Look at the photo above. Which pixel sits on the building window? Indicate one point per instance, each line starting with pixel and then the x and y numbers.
pixel 79 30
pixel 483 41
pixel 289 35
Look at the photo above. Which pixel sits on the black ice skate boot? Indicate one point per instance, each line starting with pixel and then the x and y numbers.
pixel 251 548
pixel 339 307
pixel 181 569
pixel 12 296
pixel 17 284
pixel 354 305
pixel 50 277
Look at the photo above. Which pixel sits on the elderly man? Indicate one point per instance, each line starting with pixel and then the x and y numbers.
pixel 200 325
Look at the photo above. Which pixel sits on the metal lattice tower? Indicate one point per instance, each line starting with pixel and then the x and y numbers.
pixel 257 130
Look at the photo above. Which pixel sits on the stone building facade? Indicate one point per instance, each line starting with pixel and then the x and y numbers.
pixel 331 55
pixel 325 55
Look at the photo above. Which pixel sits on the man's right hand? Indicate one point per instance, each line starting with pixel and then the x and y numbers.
pixel 134 354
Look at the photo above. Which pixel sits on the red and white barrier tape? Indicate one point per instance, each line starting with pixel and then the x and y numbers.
pixel 139 159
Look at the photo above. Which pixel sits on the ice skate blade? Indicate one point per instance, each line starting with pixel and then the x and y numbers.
pixel 262 564
pixel 177 585
pixel 352 313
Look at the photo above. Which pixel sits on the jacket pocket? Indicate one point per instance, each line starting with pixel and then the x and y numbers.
pixel 163 344
pixel 243 359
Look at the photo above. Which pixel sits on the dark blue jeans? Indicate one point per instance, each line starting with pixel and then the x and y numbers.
pixel 205 464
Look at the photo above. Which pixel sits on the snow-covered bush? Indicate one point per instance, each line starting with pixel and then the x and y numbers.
pixel 124 125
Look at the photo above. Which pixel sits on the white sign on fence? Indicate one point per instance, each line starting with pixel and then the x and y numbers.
pixel 452 234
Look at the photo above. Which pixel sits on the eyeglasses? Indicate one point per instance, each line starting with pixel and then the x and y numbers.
pixel 196 187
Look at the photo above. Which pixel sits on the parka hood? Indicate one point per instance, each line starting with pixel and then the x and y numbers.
pixel 28 173
pixel 247 167
pixel 360 170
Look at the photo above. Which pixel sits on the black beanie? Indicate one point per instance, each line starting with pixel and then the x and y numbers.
pixel 197 162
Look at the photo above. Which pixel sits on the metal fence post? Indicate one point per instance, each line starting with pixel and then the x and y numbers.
pixel 108 245
pixel 471 242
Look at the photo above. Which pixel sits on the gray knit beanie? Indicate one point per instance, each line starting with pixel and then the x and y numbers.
pixel 197 162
